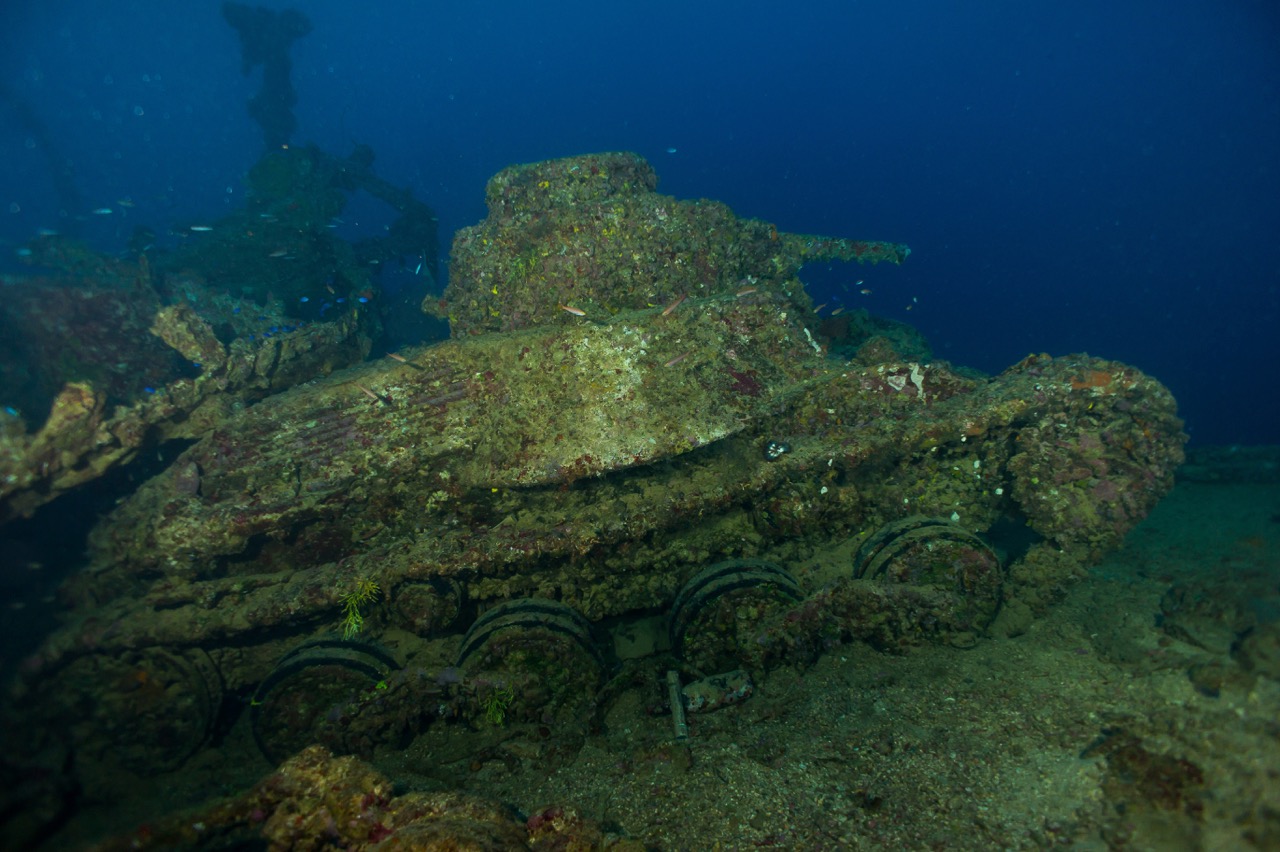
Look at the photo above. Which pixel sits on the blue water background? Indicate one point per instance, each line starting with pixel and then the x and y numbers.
pixel 1082 176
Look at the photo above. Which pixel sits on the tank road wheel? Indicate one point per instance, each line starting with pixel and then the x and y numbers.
pixel 310 683
pixel 936 554
pixel 716 619
pixel 429 607
pixel 532 659
pixel 146 710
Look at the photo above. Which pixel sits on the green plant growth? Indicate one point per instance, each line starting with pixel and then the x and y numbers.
pixel 352 620
pixel 495 704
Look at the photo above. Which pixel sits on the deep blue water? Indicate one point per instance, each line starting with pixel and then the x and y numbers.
pixel 1084 176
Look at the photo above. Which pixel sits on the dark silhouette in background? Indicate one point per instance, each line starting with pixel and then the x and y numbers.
pixel 265 39
pixel 60 169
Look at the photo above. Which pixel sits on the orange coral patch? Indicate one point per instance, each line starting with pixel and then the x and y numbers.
pixel 1091 379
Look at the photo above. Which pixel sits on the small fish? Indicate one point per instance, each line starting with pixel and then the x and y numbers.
pixel 671 150
pixel 125 202
pixel 746 291
pixel 46 232
pixel 279 253
pixel 103 211
pixel 677 359
pixel 577 312
pixel 837 312
pixel 866 291
pixel 403 360
pixel 419 269
pixel 666 312
pixel 373 396
pixel 818 309
pixel 200 228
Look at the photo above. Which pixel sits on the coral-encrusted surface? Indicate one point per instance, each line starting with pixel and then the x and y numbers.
pixel 390 445
pixel 318 801
pixel 1081 472
pixel 56 330
pixel 602 456
pixel 590 233
pixel 571 462
pixel 84 436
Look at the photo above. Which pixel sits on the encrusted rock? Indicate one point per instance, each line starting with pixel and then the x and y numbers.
pixel 589 235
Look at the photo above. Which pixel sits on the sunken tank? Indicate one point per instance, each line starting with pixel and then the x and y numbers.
pixel 636 418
